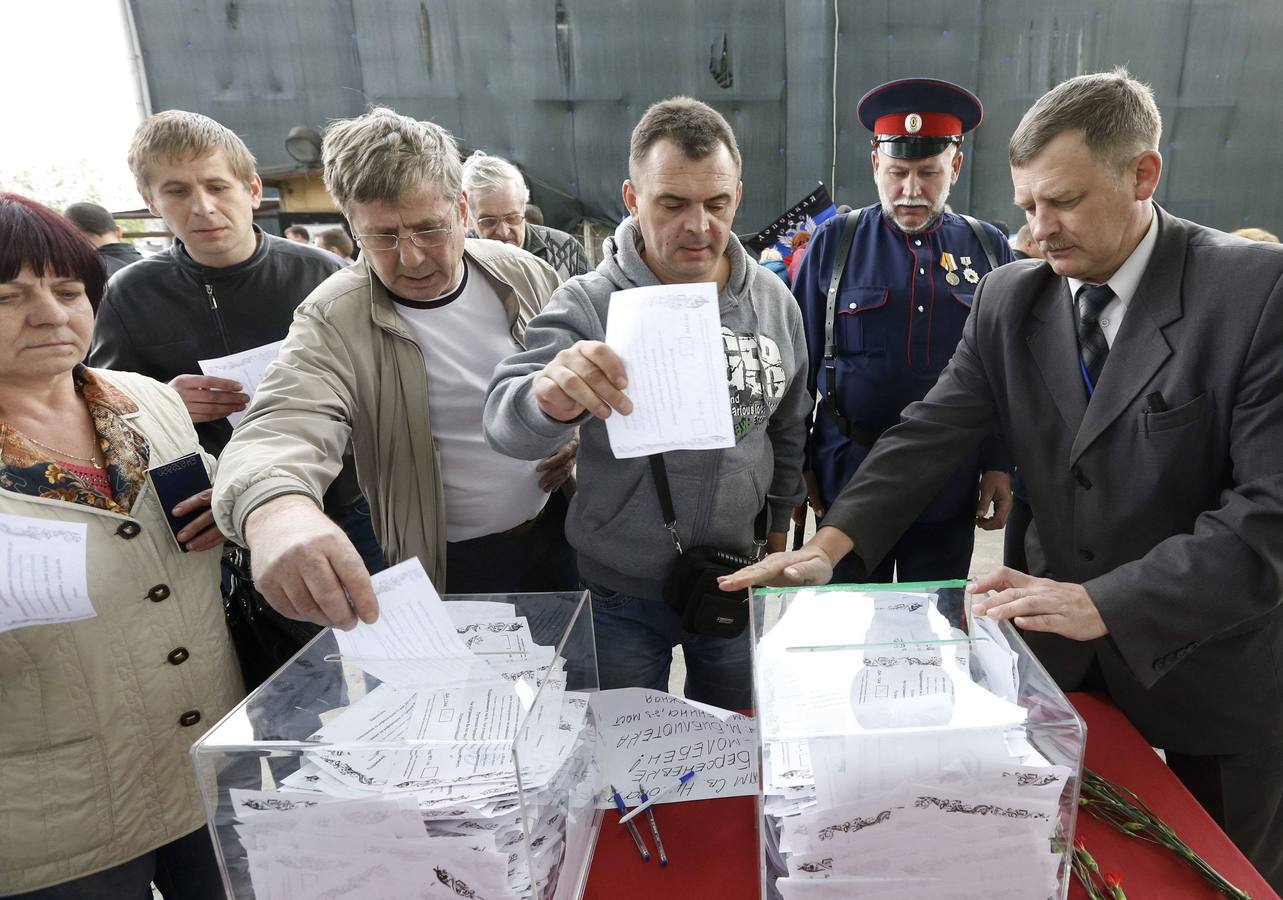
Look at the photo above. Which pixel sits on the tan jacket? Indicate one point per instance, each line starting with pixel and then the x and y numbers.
pixel 349 368
pixel 94 767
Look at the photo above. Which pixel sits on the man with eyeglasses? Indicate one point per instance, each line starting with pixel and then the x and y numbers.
pixel 396 352
pixel 497 198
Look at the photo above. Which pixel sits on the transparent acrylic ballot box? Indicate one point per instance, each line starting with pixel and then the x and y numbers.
pixel 908 749
pixel 463 777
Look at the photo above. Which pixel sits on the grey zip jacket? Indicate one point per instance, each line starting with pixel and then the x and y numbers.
pixel 615 520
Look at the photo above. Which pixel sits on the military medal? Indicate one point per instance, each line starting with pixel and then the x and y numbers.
pixel 950 266
pixel 970 274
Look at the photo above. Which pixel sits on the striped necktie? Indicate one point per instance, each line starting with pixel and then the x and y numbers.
pixel 1093 349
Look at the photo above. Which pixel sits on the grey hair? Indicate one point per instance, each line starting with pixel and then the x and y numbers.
pixel 1116 114
pixel 695 127
pixel 385 156
pixel 484 174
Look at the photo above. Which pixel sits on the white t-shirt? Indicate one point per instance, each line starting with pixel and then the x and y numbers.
pixel 463 335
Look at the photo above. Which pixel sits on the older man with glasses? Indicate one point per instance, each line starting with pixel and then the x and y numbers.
pixel 497 199
pixel 396 351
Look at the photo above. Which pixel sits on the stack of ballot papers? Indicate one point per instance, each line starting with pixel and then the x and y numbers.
pixel 459 774
pixel 895 760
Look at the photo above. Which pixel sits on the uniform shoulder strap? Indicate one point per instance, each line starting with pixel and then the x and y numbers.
pixel 986 242
pixel 839 266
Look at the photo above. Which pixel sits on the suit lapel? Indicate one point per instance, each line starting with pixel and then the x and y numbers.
pixel 1139 349
pixel 1054 347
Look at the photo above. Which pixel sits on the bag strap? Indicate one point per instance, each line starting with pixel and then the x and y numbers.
pixel 660 473
pixel 986 243
pixel 830 317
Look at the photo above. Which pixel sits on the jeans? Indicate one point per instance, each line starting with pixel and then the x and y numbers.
pixel 635 641
pixel 534 559
pixel 183 869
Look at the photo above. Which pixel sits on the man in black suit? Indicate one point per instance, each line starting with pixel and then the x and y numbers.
pixel 1136 372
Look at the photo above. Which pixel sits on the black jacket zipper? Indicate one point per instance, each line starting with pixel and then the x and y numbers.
pixel 218 318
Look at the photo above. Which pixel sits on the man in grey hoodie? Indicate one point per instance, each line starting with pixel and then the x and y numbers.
pixel 682 193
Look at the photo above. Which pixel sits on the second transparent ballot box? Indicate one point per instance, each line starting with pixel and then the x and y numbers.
pixel 471 776
pixel 908 749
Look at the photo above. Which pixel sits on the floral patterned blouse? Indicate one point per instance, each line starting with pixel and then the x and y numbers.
pixel 25 468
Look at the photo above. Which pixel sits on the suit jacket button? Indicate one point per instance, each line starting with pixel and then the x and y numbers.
pixel 189 718
pixel 1086 554
pixel 158 593
pixel 1081 477
pixel 129 530
pixel 178 656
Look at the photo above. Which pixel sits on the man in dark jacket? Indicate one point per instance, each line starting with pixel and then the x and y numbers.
pixel 224 287
pixel 104 234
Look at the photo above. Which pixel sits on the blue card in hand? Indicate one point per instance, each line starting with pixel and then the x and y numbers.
pixel 173 483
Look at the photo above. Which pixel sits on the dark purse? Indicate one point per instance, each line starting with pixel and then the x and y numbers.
pixel 264 639
pixel 691 589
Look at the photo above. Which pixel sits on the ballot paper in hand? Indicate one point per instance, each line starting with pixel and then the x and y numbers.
pixel 669 337
pixel 414 640
pixel 479 781
pixel 42 572
pixel 246 368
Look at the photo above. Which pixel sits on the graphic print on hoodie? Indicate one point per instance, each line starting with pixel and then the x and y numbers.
pixel 755 374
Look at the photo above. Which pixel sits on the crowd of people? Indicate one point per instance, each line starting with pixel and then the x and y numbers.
pixel 442 389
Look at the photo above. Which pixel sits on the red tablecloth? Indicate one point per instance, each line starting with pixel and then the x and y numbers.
pixel 713 845
pixel 1117 751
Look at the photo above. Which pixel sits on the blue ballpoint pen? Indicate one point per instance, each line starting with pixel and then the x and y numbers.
pixel 654 795
pixel 632 829
pixel 654 828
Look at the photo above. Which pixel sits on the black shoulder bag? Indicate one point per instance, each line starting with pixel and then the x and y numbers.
pixel 691 589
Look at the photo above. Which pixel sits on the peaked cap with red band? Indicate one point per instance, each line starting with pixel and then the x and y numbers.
pixel 914 118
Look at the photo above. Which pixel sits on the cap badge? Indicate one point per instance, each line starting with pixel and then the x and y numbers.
pixel 913 123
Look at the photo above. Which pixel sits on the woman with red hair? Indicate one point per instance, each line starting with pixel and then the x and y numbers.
pixel 97 797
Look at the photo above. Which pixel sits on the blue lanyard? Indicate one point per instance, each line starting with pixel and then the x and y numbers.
pixel 1082 367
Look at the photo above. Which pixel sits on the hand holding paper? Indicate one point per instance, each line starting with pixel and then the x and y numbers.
pixel 586 376
pixel 669 336
pixel 209 399
pixel 243 371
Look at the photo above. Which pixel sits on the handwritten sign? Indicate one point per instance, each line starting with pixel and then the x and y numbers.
pixel 651 738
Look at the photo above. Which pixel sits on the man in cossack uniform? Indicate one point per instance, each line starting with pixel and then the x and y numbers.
pixel 881 332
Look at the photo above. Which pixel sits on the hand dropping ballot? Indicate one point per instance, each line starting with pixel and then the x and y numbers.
pixel 669 338
pixel 468 771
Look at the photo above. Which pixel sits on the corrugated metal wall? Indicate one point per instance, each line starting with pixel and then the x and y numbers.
pixel 557 85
